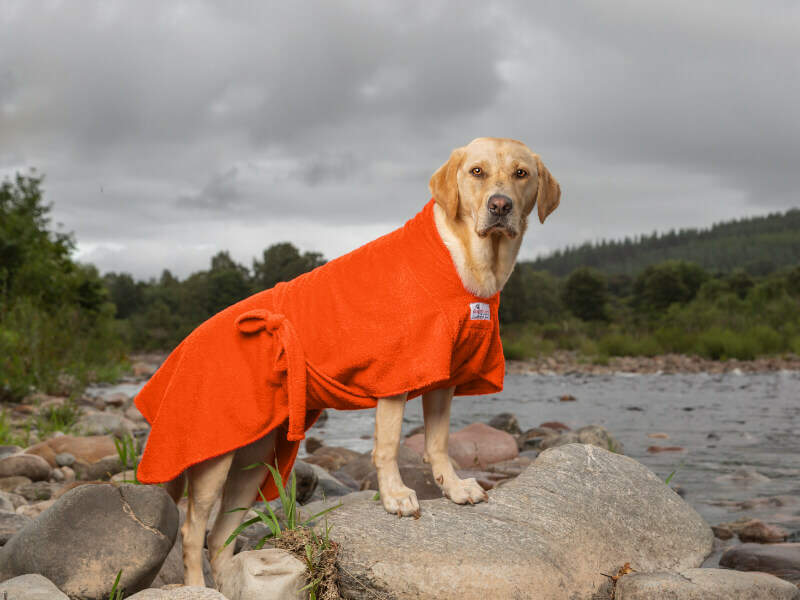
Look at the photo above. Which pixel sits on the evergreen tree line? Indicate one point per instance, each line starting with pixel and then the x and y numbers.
pixel 758 245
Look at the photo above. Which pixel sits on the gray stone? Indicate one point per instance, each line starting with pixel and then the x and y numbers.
pixel 15 500
pixel 9 484
pixel 10 523
pixel 33 467
pixel 181 593
pixel 90 533
pixel 305 479
pixel 361 466
pixel 506 422
pixel 327 486
pixel 103 469
pixel 271 574
pixel 9 450
pixel 65 459
pixel 782 560
pixel 576 512
pixel 104 423
pixel 36 491
pixel 704 584
pixel 596 435
pixel 30 587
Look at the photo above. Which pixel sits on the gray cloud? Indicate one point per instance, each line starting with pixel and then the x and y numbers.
pixel 169 131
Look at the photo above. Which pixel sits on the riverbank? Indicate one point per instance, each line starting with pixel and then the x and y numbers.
pixel 567 363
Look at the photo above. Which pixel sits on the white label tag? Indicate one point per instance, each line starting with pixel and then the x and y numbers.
pixel 479 311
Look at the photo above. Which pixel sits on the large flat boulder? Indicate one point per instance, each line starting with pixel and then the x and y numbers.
pixel 578 511
pixel 82 541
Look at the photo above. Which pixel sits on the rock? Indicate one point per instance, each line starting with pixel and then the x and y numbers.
pixel 782 560
pixel 511 468
pixel 704 584
pixel 567 398
pixel 736 525
pixel 531 454
pixel 30 587
pixel 36 491
pixel 57 475
pixel 658 436
pixel 328 486
pixel 313 444
pixel 103 469
pixel 104 423
pixel 475 446
pixel 9 450
pixel 722 533
pixel 658 449
pixel 12 499
pixel 88 449
pixel 263 574
pixel 596 435
pixel 531 439
pixel 181 593
pixel 346 480
pixel 34 510
pixel 65 459
pixel 555 425
pixel 88 534
pixel 9 484
pixel 33 467
pixel 361 466
pixel 117 399
pixel 418 477
pixel 611 509
pixel 743 475
pixel 10 523
pixel 762 533
pixel 305 480
pixel 506 422
pixel 143 369
pixel 341 456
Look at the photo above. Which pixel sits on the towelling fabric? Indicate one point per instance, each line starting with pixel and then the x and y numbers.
pixel 387 318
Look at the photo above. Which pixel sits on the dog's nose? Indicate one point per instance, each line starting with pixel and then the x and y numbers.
pixel 500 205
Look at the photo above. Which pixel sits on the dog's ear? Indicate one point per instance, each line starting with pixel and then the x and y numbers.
pixel 444 183
pixel 548 195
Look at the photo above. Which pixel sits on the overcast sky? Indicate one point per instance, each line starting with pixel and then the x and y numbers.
pixel 168 131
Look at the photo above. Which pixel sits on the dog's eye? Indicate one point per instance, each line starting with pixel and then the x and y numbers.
pixel 522 173
pixel 477 171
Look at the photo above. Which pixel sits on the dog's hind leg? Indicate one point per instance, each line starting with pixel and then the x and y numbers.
pixel 436 410
pixel 176 487
pixel 240 491
pixel 205 484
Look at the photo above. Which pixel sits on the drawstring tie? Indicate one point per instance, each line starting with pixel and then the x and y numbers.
pixel 294 365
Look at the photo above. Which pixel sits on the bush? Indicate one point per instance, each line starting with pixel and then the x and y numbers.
pixel 722 344
pixel 585 295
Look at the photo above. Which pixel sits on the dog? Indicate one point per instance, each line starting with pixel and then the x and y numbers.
pixel 449 262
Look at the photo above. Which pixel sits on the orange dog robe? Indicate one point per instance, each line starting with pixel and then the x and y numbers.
pixel 390 317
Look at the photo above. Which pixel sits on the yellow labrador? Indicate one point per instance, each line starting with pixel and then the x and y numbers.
pixel 484 194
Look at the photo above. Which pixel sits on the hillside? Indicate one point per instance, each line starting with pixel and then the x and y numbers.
pixel 758 244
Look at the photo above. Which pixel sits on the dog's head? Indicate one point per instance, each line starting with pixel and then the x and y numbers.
pixel 495 183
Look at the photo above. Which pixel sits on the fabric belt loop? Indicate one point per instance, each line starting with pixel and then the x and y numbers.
pixel 280 328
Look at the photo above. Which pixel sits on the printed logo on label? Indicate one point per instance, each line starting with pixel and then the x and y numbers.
pixel 479 311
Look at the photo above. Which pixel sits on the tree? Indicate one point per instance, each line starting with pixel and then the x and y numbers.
pixel 228 283
pixel 283 262
pixel 585 294
pixel 669 282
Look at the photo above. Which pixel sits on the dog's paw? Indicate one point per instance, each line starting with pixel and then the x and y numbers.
pixel 401 502
pixel 465 491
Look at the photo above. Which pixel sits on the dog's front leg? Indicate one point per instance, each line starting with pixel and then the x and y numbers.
pixel 396 498
pixel 436 410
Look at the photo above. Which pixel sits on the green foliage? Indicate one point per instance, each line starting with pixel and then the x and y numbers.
pixel 585 295
pixel 128 453
pixel 671 282
pixel 758 245
pixel 282 262
pixel 116 592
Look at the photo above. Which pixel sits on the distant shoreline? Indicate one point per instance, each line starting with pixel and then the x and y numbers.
pixel 565 363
